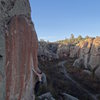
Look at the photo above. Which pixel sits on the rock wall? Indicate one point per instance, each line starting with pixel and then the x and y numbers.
pixel 18 51
pixel 90 54
pixel 86 53
pixel 47 51
pixel 63 51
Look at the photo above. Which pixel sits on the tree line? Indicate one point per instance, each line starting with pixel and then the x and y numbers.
pixel 73 40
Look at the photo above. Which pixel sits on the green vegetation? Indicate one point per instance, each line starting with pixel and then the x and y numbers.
pixel 72 40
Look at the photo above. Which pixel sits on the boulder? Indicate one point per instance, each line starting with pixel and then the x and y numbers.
pixel 95 53
pixel 68 50
pixel 85 46
pixel 89 54
pixel 68 97
pixel 46 96
pixel 79 63
pixel 86 72
pixel 47 51
pixel 74 51
pixel 97 72
pixel 63 51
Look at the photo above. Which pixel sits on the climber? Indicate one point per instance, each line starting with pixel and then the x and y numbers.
pixel 35 68
pixel 38 74
pixel 39 82
pixel 41 76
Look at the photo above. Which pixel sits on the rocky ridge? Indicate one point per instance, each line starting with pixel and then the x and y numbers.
pixel 86 53
pixel 71 70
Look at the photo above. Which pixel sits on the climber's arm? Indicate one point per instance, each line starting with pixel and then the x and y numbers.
pixel 38 74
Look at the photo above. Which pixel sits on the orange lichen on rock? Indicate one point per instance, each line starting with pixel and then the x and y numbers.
pixel 21 45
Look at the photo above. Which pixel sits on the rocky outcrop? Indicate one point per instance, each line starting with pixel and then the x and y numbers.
pixel 46 96
pixel 18 50
pixel 85 47
pixel 94 60
pixel 52 51
pixel 63 51
pixel 95 53
pixel 79 63
pixel 68 97
pixel 97 72
pixel 74 51
pixel 47 51
pixel 90 54
pixel 86 53
pixel 68 50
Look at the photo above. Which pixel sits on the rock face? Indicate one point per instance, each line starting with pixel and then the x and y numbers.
pixel 90 54
pixel 94 61
pixel 63 51
pixel 18 51
pixel 47 51
pixel 79 63
pixel 46 96
pixel 68 97
pixel 87 53
pixel 85 47
pixel 74 51
pixel 95 53
pixel 52 51
pixel 20 46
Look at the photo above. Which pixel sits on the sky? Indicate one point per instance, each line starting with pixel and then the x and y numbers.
pixel 58 19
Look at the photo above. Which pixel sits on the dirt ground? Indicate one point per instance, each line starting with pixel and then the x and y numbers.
pixel 58 83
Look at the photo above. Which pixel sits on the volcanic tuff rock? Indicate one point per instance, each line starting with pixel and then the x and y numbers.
pixel 63 51
pixel 74 51
pixel 51 51
pixel 87 53
pixel 68 97
pixel 47 51
pixel 95 56
pixel 95 53
pixel 18 50
pixel 90 54
pixel 79 63
pixel 46 96
pixel 85 47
